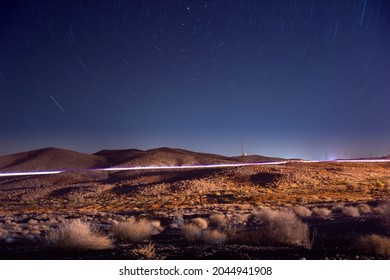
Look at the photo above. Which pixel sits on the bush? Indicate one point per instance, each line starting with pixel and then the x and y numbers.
pixel 77 235
pixel 192 232
pixel 200 223
pixel 147 252
pixel 364 208
pixel 240 218
pixel 374 244
pixel 218 220
pixel 338 207
pixel 136 231
pixel 384 211
pixel 302 211
pixel 323 213
pixel 351 211
pixel 214 237
pixel 386 215
pixel 280 227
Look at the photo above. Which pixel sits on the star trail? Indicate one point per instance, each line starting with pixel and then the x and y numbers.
pixel 298 79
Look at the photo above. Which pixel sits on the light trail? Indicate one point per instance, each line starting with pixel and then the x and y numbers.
pixel 55 101
pixel 363 160
pixel 190 166
pixel 33 173
pixel 29 173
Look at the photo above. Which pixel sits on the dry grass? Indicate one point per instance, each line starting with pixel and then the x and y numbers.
pixel 374 244
pixel 302 211
pixel 321 212
pixel 364 208
pixel 214 237
pixel 240 218
pixel 351 211
pixel 380 209
pixel 147 252
pixel 384 211
pixel 200 223
pixel 280 227
pixel 77 235
pixel 386 215
pixel 136 231
pixel 284 185
pixel 192 232
pixel 218 220
pixel 338 207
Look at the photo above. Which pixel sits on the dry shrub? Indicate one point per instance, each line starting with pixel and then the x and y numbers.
pixel 214 237
pixel 374 244
pixel 364 208
pixel 386 215
pixel 338 207
pixel 200 223
pixel 136 231
pixel 192 232
pixel 231 229
pixel 228 224
pixel 322 212
pixel 146 252
pixel 351 211
pixel 280 227
pixel 77 235
pixel 380 209
pixel 218 220
pixel 178 221
pixel 384 211
pixel 240 218
pixel 3 233
pixel 302 211
pixel 156 226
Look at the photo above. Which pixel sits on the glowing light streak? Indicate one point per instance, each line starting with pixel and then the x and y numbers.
pixel 33 173
pixel 55 101
pixel 29 173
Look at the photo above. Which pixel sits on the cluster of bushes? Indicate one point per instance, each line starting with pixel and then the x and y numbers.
pixel 326 213
pixel 265 226
pixel 376 244
pixel 80 235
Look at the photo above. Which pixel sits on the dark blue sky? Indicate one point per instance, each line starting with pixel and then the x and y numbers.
pixel 295 78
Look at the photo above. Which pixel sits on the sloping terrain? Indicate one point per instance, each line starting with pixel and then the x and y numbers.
pixel 256 158
pixel 60 159
pixel 50 159
pixel 174 157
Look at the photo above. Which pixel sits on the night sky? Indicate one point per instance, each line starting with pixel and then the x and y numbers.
pixel 294 78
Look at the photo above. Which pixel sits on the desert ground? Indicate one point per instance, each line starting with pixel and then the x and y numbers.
pixel 295 210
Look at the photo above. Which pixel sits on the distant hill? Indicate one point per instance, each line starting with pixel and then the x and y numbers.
pixel 60 159
pixel 50 159
pixel 256 158
pixel 115 157
pixel 166 157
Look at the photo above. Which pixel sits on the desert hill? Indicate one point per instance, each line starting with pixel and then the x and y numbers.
pixel 166 157
pixel 50 159
pixel 60 159
pixel 255 158
pixel 116 157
